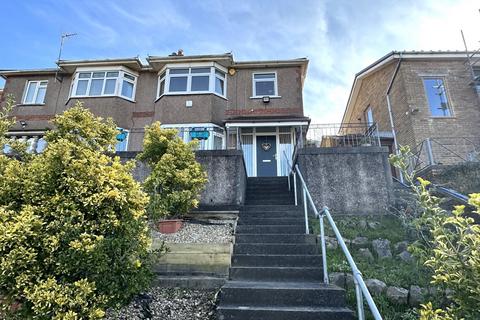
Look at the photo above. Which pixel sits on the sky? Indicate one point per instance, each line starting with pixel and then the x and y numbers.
pixel 339 37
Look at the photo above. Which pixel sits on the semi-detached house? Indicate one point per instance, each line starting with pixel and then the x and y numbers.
pixel 255 106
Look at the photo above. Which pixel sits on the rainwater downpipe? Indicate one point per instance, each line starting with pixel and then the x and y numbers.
pixel 390 114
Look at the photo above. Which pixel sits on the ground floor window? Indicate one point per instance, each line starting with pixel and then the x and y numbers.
pixel 209 136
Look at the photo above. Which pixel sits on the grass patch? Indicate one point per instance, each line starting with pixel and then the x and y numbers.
pixel 394 271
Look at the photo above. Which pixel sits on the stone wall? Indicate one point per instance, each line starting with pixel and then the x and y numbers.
pixel 227 180
pixel 347 180
pixel 464 177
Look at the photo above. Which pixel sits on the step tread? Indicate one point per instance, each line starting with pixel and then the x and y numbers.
pixel 284 308
pixel 287 285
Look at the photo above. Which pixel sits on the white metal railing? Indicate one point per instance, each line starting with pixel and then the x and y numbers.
pixel 361 290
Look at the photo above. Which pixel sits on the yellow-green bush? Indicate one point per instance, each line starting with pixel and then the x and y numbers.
pixel 73 232
pixel 449 245
pixel 177 178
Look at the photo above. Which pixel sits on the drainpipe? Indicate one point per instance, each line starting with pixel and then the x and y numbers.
pixel 390 114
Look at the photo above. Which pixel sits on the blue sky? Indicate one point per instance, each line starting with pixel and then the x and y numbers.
pixel 340 37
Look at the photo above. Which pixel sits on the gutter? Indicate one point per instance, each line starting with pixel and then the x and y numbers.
pixel 389 106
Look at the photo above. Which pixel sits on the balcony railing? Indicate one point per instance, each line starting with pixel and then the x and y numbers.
pixel 342 135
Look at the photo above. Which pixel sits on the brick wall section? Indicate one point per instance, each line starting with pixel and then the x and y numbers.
pixel 408 93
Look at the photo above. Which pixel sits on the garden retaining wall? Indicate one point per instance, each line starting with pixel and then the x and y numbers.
pixel 353 180
pixel 227 180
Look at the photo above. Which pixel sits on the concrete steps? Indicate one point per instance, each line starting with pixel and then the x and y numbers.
pixel 276 271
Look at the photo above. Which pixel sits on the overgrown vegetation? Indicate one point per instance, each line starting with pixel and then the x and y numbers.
pixel 176 179
pixel 448 245
pixel 73 233
pixel 394 271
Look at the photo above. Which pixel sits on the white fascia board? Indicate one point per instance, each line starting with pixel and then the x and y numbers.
pixel 266 124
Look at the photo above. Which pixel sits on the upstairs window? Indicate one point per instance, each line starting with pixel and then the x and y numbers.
pixel 192 81
pixel 104 83
pixel 35 92
pixel 437 97
pixel 369 116
pixel 264 84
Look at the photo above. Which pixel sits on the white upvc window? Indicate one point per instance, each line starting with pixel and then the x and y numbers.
pixel 264 84
pixel 35 92
pixel 195 79
pixel 104 83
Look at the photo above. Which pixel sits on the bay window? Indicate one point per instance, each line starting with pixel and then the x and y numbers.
pixel 100 83
pixel 192 80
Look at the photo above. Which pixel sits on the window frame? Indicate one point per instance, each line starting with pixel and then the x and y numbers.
pixel 366 113
pixel 120 78
pixel 445 91
pixel 35 94
pixel 254 88
pixel 165 76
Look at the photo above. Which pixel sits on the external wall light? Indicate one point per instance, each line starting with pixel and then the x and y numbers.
pixel 266 99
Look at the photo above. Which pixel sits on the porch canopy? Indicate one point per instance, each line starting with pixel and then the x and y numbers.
pixel 265 140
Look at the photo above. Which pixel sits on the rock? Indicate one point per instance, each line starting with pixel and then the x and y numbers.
pixel 374 224
pixel 416 296
pixel 400 246
pixel 362 224
pixel 366 254
pixel 330 242
pixel 375 286
pixel 360 242
pixel 406 256
pixel 349 280
pixel 337 278
pixel 382 248
pixel 397 295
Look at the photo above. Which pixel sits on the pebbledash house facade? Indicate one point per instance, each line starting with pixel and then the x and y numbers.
pixel 253 106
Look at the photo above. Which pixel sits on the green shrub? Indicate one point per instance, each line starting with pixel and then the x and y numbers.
pixel 73 233
pixel 177 178
pixel 449 247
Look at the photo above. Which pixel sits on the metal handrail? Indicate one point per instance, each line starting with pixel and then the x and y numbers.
pixel 361 289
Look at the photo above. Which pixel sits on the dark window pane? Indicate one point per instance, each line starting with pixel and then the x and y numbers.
pixel 264 76
pixel 200 70
pixel 437 97
pixel 96 87
pixel 178 84
pixel 126 75
pixel 98 74
pixel 112 74
pixel 179 71
pixel 85 75
pixel 219 86
pixel 110 86
pixel 162 87
pixel 30 92
pixel 81 88
pixel 200 83
pixel 127 89
pixel 219 73
pixel 265 88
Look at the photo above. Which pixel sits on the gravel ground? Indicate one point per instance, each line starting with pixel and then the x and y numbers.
pixel 169 304
pixel 212 231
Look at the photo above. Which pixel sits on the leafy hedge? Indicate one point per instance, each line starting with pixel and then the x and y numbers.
pixel 73 233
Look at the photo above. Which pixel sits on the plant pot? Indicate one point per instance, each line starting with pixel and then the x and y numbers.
pixel 169 226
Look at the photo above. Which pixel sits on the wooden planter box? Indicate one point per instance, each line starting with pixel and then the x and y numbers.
pixel 169 226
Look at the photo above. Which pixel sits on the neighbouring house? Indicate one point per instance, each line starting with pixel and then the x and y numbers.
pixel 255 106
pixel 427 100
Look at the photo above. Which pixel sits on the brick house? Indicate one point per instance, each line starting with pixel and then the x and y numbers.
pixel 427 100
pixel 253 105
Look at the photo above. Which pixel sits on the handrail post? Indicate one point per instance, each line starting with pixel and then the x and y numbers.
pixel 305 209
pixel 295 187
pixel 288 176
pixel 324 249
pixel 358 291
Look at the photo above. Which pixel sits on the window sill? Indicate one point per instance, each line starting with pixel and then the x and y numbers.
pixel 190 94
pixel 261 97
pixel 31 105
pixel 111 96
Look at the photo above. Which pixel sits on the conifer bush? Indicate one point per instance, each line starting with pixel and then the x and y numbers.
pixel 73 233
pixel 177 178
